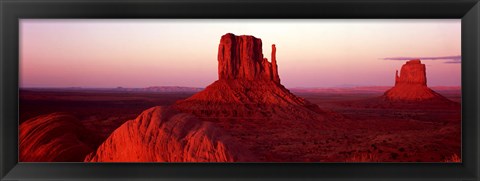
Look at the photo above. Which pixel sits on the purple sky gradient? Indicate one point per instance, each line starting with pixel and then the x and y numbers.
pixel 310 53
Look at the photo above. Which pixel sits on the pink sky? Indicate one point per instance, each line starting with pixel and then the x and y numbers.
pixel 310 53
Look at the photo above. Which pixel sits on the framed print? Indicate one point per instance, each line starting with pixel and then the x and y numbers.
pixel 344 90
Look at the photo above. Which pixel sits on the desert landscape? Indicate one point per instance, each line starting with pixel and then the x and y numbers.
pixel 247 115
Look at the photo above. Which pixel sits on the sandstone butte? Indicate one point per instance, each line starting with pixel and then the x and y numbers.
pixel 55 137
pixel 411 85
pixel 248 85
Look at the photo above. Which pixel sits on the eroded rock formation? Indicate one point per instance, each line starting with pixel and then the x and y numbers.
pixel 55 137
pixel 161 134
pixel 411 84
pixel 248 85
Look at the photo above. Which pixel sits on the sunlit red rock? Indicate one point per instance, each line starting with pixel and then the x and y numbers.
pixel 55 137
pixel 241 57
pixel 411 84
pixel 248 85
pixel 412 73
pixel 161 134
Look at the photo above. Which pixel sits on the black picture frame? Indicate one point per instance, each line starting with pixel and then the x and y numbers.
pixel 13 10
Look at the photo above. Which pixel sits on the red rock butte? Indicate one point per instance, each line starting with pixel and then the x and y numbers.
pixel 247 83
pixel 411 84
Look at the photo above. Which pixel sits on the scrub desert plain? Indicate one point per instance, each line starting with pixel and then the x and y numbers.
pixel 247 115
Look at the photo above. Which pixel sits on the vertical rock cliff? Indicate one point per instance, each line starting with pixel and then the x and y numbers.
pixel 412 73
pixel 241 57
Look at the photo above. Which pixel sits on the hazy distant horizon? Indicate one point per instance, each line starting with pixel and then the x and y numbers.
pixel 310 53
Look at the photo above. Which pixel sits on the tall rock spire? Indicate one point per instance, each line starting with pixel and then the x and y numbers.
pixel 275 76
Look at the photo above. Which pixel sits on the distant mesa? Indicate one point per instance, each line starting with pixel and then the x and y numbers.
pixel 159 89
pixel 161 134
pixel 248 84
pixel 411 84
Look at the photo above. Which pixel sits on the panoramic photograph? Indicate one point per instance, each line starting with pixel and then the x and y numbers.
pixel 238 90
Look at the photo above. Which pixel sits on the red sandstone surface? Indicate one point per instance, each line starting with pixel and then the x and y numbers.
pixel 55 137
pixel 161 134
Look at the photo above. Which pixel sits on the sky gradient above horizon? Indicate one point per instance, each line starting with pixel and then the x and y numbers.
pixel 310 53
